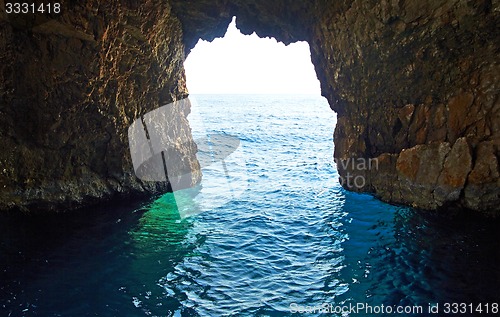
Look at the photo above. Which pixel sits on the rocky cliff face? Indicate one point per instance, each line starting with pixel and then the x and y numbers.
pixel 414 83
pixel 70 86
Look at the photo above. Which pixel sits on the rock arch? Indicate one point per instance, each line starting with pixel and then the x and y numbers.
pixel 414 83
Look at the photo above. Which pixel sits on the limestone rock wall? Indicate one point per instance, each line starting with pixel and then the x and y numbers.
pixel 70 85
pixel 414 83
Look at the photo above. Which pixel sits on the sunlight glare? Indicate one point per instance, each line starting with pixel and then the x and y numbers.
pixel 247 64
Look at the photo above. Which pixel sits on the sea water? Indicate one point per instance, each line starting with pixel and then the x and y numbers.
pixel 269 233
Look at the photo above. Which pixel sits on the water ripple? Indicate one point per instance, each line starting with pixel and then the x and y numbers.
pixel 294 236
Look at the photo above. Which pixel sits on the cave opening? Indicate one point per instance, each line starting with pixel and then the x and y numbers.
pixel 248 64
pixel 267 96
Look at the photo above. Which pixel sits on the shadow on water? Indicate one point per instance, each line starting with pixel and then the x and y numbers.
pixel 96 261
pixel 117 263
pixel 402 256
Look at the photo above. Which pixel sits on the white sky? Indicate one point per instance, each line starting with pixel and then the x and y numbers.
pixel 247 64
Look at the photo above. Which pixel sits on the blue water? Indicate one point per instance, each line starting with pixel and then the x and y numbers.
pixel 289 237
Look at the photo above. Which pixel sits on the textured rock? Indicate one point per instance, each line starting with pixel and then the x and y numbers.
pixel 409 79
pixel 481 191
pixel 418 171
pixel 414 84
pixel 70 87
pixel 453 176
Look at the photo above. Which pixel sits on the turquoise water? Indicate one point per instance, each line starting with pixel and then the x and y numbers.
pixel 283 234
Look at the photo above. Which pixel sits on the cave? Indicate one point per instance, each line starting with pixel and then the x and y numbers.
pixel 414 86
pixel 248 64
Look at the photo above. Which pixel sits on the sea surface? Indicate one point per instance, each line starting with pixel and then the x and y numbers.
pixel 269 232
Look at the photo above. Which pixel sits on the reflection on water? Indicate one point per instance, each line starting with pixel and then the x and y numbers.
pixel 159 241
pixel 147 261
pixel 402 256
pixel 293 236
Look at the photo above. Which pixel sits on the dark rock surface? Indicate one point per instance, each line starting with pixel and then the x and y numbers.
pixel 70 86
pixel 414 84
pixel 418 81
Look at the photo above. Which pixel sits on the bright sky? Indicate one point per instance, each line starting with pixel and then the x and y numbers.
pixel 247 64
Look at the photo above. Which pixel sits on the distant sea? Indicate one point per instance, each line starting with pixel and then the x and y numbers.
pixel 268 232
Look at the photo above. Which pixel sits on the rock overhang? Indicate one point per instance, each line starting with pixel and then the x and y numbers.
pixel 406 79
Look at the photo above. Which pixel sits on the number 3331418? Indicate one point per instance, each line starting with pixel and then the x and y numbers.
pixel 25 7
